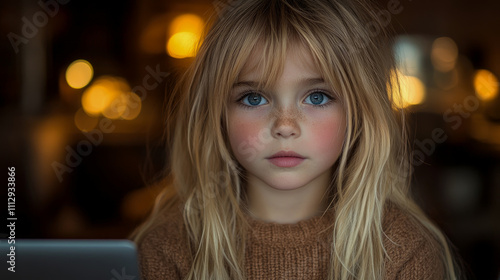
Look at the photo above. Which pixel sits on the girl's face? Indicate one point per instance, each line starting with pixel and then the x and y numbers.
pixel 289 136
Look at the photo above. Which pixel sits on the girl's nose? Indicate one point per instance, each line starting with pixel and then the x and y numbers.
pixel 286 125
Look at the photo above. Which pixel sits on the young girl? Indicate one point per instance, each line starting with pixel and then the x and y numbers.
pixel 289 158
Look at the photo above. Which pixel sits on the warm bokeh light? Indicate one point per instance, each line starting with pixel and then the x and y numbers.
pixel 411 90
pixel 444 54
pixel 79 74
pixel 184 36
pixel 85 122
pixel 111 97
pixel 133 107
pixel 116 108
pixel 182 44
pixel 99 96
pixel 103 97
pixel 46 142
pixel 187 23
pixel 485 84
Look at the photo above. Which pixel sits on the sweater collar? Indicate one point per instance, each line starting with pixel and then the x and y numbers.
pixel 304 232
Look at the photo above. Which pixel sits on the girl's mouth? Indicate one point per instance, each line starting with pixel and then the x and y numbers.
pixel 286 159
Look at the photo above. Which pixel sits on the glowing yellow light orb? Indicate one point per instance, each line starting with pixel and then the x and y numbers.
pixel 79 74
pixel 96 99
pixel 406 90
pixel 182 44
pixel 185 34
pixel 187 23
pixel 133 106
pixel 102 97
pixel 485 84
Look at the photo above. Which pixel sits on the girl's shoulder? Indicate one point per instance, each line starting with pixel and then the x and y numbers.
pixel 411 250
pixel 397 220
pixel 168 230
pixel 164 251
pixel 402 226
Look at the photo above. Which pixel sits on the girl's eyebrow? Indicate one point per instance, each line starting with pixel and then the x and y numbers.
pixel 301 82
pixel 245 83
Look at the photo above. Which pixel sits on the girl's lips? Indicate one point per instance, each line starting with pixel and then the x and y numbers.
pixel 286 154
pixel 286 161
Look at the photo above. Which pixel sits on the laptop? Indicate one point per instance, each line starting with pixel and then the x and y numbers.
pixel 68 260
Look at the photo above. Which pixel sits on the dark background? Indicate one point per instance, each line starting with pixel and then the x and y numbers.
pixel 457 181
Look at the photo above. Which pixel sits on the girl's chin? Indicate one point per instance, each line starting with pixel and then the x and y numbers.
pixel 286 186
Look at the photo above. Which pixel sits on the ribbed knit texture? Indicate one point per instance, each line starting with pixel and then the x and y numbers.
pixel 288 251
pixel 292 251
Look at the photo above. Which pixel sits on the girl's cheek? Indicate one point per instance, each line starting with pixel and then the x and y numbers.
pixel 328 135
pixel 242 131
pixel 245 136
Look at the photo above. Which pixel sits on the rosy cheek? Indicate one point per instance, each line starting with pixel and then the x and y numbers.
pixel 328 135
pixel 241 131
pixel 245 136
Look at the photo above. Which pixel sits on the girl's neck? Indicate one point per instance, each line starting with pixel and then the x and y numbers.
pixel 286 206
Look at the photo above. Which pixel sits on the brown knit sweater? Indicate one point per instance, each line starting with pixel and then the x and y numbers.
pixel 292 251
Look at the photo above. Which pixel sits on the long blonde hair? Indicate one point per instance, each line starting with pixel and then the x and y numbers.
pixel 352 49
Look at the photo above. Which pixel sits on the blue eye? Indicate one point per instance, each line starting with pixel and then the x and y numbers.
pixel 253 99
pixel 317 98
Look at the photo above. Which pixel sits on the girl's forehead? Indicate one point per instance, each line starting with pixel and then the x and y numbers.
pixel 259 66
